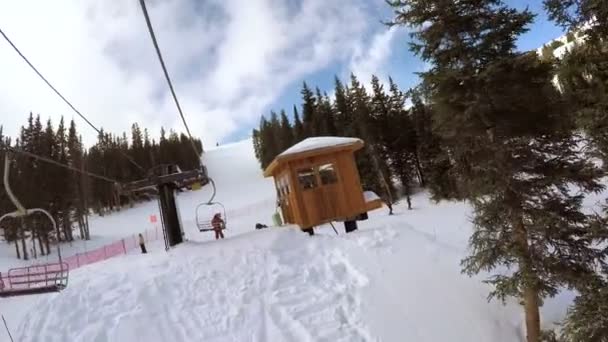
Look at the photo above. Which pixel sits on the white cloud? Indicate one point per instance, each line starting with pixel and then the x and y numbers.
pixel 370 59
pixel 229 59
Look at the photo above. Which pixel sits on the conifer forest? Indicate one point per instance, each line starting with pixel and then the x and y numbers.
pixel 520 135
pixel 72 196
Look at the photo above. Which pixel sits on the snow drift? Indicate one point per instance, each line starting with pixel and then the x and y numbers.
pixel 396 279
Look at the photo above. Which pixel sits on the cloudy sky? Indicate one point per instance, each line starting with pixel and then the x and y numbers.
pixel 230 60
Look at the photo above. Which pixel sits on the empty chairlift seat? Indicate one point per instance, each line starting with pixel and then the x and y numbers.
pixel 34 279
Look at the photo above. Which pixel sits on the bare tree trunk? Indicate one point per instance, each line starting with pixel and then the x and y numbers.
pixel 406 189
pixel 47 242
pixel 33 238
pixel 532 314
pixel 87 232
pixel 23 243
pixel 66 225
pixel 419 170
pixel 530 291
pixel 100 209
pixel 17 247
pixel 80 226
pixel 40 243
pixel 387 189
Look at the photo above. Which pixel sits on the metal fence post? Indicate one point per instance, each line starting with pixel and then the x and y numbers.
pixel 124 247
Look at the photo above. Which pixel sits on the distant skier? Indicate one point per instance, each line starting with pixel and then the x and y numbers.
pixel 142 244
pixel 218 226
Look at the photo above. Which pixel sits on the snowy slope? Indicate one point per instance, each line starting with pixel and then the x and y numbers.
pixel 396 279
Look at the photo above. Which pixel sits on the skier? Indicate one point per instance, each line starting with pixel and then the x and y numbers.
pixel 218 225
pixel 142 244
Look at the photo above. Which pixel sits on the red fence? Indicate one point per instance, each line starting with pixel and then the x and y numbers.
pixel 116 248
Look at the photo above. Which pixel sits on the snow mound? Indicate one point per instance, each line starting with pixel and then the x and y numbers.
pixel 396 279
pixel 384 284
pixel 317 143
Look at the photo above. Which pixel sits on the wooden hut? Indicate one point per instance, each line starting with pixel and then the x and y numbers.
pixel 317 181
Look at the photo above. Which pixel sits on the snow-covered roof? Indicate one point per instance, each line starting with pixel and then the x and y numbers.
pixel 317 143
pixel 370 196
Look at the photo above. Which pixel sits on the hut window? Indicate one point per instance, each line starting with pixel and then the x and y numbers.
pixel 328 175
pixel 307 179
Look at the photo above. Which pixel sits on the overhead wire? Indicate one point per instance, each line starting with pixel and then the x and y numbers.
pixel 162 64
pixel 56 163
pixel 129 158
pixel 179 108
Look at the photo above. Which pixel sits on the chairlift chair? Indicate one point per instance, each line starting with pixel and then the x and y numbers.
pixel 205 213
pixel 35 279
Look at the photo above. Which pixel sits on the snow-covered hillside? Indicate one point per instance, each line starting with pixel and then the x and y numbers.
pixel 396 279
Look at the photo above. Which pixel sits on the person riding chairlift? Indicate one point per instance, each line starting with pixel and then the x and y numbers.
pixel 218 225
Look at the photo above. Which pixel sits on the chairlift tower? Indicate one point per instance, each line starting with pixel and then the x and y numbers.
pixel 167 182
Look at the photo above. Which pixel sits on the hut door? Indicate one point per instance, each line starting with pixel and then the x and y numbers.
pixel 311 197
pixel 329 191
pixel 320 193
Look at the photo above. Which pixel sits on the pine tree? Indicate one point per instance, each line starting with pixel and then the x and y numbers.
pixel 374 170
pixel 257 144
pixel 583 72
pixel 309 114
pixel 583 78
pixel 75 192
pixel 298 127
pixel 512 147
pixel 269 148
pixel 590 17
pixel 148 152
pixel 326 125
pixel 345 121
pixel 587 319
pixel 286 138
pixel 394 133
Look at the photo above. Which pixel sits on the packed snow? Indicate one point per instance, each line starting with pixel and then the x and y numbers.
pixel 396 279
pixel 317 143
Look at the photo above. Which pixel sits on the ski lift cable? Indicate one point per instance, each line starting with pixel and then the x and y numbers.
pixel 166 73
pixel 162 64
pixel 64 99
pixel 56 163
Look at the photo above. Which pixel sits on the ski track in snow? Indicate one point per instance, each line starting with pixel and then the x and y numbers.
pixel 303 294
pixel 396 279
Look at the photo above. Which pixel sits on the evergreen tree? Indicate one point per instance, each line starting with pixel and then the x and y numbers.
pixel 326 125
pixel 511 146
pixel 285 133
pixel 583 72
pixel 309 114
pixel 587 319
pixel 298 127
pixel 394 133
pixel 589 17
pixel 583 78
pixel 345 121
pixel 257 143
pixel 374 170
pixel 269 148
